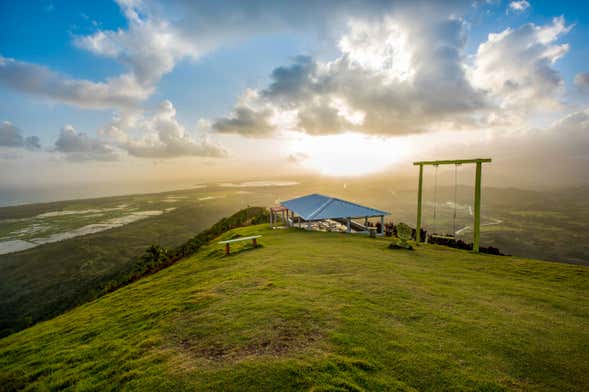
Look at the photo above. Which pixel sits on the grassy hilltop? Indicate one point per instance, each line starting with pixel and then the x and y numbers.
pixel 39 283
pixel 320 311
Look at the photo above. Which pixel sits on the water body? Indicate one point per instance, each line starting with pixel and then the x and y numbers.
pixel 16 245
pixel 11 195
pixel 494 221
pixel 209 198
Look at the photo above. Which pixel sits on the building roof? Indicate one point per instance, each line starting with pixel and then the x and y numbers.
pixel 318 207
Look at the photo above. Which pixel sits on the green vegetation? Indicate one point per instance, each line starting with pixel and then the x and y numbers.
pixel 42 282
pixel 550 225
pixel 320 311
pixel 156 257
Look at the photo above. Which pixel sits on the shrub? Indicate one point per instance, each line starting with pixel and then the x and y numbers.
pixel 156 257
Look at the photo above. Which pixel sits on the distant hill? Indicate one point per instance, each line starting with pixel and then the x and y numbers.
pixel 320 311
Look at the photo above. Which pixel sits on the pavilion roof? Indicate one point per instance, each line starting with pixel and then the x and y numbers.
pixel 319 207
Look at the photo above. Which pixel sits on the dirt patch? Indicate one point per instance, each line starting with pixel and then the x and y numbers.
pixel 282 338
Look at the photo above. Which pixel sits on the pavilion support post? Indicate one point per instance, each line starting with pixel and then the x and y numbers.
pixel 382 223
pixel 365 221
pixel 477 208
pixel 349 225
pixel 419 196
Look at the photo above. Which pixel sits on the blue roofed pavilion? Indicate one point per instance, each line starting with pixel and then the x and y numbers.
pixel 317 207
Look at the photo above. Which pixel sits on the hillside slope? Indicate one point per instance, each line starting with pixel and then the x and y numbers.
pixel 320 311
pixel 42 282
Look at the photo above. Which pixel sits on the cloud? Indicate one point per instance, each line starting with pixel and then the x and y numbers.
pixel 403 74
pixel 162 136
pixel 293 81
pixel 11 136
pixel 556 154
pixel 81 147
pixel 571 134
pixel 519 6
pixel 32 143
pixel 516 68
pixel 392 77
pixel 156 38
pixel 122 91
pixel 582 81
pixel 245 121
pixel 297 157
pixel 150 46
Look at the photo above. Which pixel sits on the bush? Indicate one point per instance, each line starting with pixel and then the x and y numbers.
pixel 156 257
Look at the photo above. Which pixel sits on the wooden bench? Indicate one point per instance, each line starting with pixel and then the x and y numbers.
pixel 228 242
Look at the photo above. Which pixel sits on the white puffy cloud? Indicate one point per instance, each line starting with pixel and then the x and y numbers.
pixel 158 36
pixel 519 5
pixel 150 46
pixel 159 136
pixel 162 136
pixel 121 91
pixel 12 136
pixel 82 147
pixel 392 77
pixel 515 66
pixel 582 81
pixel 402 75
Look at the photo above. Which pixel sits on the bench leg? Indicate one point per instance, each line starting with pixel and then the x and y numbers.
pixel 255 243
pixel 227 251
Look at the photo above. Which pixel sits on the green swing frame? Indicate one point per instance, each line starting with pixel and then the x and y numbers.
pixel 477 195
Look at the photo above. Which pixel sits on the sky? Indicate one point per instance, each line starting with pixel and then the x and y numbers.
pixel 149 91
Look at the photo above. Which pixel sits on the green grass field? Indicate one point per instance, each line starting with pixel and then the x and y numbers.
pixel 320 311
pixel 40 283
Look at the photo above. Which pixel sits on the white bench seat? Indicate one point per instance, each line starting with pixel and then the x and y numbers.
pixel 239 239
pixel 227 242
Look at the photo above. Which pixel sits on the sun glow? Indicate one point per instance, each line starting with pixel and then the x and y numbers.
pixel 349 154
